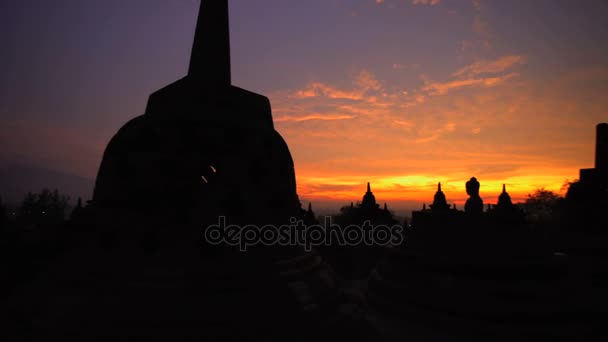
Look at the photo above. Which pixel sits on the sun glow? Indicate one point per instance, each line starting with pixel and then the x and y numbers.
pixel 344 189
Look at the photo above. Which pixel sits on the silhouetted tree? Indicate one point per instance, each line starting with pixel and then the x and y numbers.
pixel 542 205
pixel 3 217
pixel 567 184
pixel 28 205
pixel 44 207
pixel 77 209
pixel 543 196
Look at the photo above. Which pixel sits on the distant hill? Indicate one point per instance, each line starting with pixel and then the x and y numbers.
pixel 17 181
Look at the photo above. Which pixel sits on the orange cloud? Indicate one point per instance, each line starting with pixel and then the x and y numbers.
pixel 366 81
pixel 404 142
pixel 320 89
pixel 436 133
pixel 323 117
pixel 490 67
pixel 404 123
pixel 438 88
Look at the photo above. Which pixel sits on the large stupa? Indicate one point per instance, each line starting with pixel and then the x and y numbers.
pixel 203 147
pixel 142 267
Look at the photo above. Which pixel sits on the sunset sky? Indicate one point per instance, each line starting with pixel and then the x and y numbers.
pixel 400 93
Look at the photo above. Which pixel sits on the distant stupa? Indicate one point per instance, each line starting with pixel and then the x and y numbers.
pixel 587 198
pixel 369 200
pixel 439 201
pixel 598 176
pixel 203 147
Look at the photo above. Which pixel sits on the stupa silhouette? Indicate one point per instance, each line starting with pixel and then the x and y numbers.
pixel 203 147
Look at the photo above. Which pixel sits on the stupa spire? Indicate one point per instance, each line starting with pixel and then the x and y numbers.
pixel 601 147
pixel 369 200
pixel 504 199
pixel 439 201
pixel 210 58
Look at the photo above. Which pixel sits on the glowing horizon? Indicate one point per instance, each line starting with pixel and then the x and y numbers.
pixel 400 93
pixel 422 188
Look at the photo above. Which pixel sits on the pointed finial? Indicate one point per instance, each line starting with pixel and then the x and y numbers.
pixel 385 206
pixel 439 186
pixel 210 58
pixel 504 188
pixel 369 188
pixel 309 207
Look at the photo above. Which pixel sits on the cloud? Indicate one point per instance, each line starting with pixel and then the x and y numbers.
pixel 426 2
pixel 319 116
pixel 448 127
pixel 343 134
pixel 319 89
pixel 405 123
pixel 366 81
pixel 480 26
pixel 490 67
pixel 468 76
pixel 438 88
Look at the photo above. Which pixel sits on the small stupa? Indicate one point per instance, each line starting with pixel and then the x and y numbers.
pixel 440 203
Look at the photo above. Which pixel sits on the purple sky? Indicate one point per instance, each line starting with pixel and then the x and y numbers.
pixel 531 73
